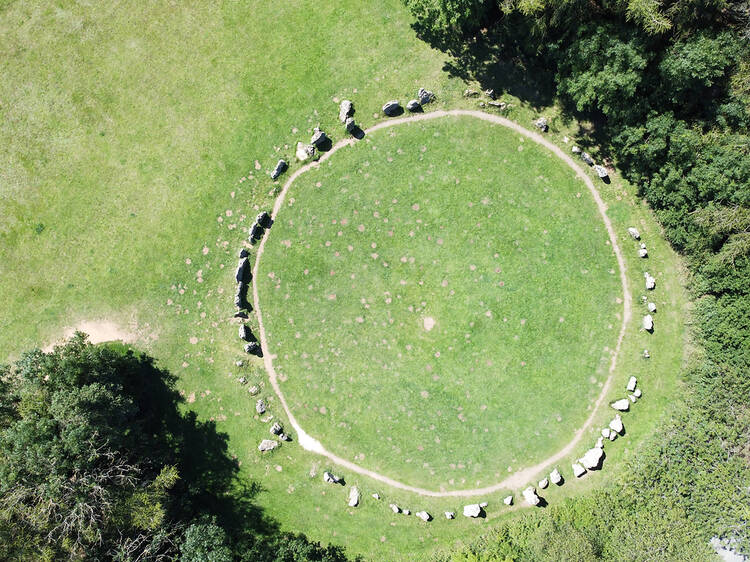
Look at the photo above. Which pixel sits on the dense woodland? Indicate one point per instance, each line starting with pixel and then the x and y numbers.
pixel 666 86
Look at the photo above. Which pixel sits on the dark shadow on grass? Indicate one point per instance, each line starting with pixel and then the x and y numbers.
pixel 358 133
pixel 325 145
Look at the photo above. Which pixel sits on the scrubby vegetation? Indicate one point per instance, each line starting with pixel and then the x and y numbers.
pixel 666 88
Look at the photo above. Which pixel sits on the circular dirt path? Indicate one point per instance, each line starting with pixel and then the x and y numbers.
pixel 521 477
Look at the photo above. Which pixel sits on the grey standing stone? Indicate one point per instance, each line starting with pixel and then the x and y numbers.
pixel 280 168
pixel 423 515
pixel 601 171
pixel 260 406
pixel 542 124
pixel 346 110
pixel 329 478
pixel 243 268
pixel 425 96
pixel 353 496
pixel 253 348
pixel 472 510
pixel 391 108
pixel 319 138
pixel 586 157
pixel 276 429
pixel 413 105
pixel 351 126
pixel 304 151
pixel 450 514
pixel 267 445
pixel 245 333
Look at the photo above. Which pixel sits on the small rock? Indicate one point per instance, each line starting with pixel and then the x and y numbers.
pixel 575 150
pixel 632 383
pixel 346 110
pixel 267 445
pixel 253 390
pixel 616 424
pixel 242 380
pixel 256 232
pixel 304 151
pixel 353 496
pixel 472 510
pixel 634 233
pixel 508 500
pixel 318 138
pixel 280 168
pixel 566 140
pixel 543 483
pixel 623 405
pixel 646 354
pixel 483 504
pixel 556 478
pixel 239 363
pixel 329 478
pixel 406 512
pixel 423 515
pixel 276 429
pixel 468 93
pixel 450 515
pixel 587 158
pixel 651 307
pixel 529 494
pixel 260 406
pixel 490 94
pixel 578 470
pixel 413 105
pixel 376 496
pixel 482 104
pixel 612 436
pixel 425 96
pixel 240 313
pixel 394 508
pixel 391 108
pixel 592 458
pixel 244 253
pixel 542 124
pixel 638 393
pixel 648 323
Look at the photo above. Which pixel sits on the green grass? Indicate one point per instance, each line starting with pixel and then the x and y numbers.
pixel 125 131
pixel 497 242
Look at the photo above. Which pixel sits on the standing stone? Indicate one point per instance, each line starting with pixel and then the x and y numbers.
pixel 601 171
pixel 472 510
pixel 600 443
pixel 650 281
pixel 450 515
pixel 394 508
pixel 575 149
pixel 578 470
pixel 555 477
pixel 353 496
pixel 637 393
pixel 304 151
pixel 276 429
pixel 280 168
pixel 543 483
pixel 245 333
pixel 498 104
pixel 542 124
pixel 529 494
pixel 253 390
pixel 423 515
pixel 267 445
pixel 592 458
pixel 634 233
pixel 391 108
pixel 648 323
pixel 243 268
pixel 651 307
pixel 623 405
pixel 605 432
pixel 351 126
pixel 632 382
pixel 508 500
pixel 413 105
pixel 633 398
pixel 646 354
pixel 490 94
pixel 616 424
pixel 260 406
pixel 319 138
pixel 244 253
pixel 264 219
pixel 425 96
pixel 346 110
pixel 329 478
pixel 253 348
pixel 406 512
pixel 586 157
pixel 255 233
pixel 642 253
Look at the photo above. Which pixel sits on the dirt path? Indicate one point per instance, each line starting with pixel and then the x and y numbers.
pixel 524 476
pixel 98 331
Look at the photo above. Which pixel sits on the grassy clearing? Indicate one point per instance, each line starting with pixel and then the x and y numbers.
pixel 443 310
pixel 124 133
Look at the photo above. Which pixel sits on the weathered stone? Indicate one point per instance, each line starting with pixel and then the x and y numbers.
pixel 575 149
pixel 648 323
pixel 285 437
pixel 394 508
pixel 623 405
pixel 483 504
pixel 650 282
pixel 280 168
pixel 256 232
pixel 330 478
pixel 605 432
pixel 651 307
pixel 425 96
pixel 240 313
pixel 555 477
pixel 353 496
pixel 243 268
pixel 616 424
pixel 637 393
pixel 642 253
pixel 413 105
pixel 632 383
pixel 351 126
pixel 634 233
pixel 268 445
pixel 543 483
pixel 423 515
pixel 498 104
pixel 633 398
pixel 600 442
pixel 601 171
pixel 264 219
pixel 612 436
pixel 319 138
pixel 392 108
pixel 529 494
pixel 242 380
pixel 472 510
pixel 469 93
pixel 450 514
pixel 244 253
pixel 245 333
pixel 304 151
pixel 490 93
pixel 542 124
pixel 239 363
pixel 253 390
pixel 578 470
pixel 508 500
pixel 276 429
pixel 253 348
pixel 586 157
pixel 260 406
pixel 406 511
pixel 346 110
pixel 592 458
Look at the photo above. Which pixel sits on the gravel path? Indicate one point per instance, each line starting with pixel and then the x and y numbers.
pixel 521 477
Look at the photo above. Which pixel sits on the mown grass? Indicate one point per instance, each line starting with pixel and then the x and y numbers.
pixel 124 133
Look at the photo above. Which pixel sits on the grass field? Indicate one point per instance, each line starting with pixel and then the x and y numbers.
pixel 496 247
pixel 125 132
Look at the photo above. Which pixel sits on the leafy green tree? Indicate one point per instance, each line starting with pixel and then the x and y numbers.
pixel 205 541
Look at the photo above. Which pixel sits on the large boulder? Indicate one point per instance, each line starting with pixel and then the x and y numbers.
pixel 632 383
pixel 425 96
pixel 304 151
pixel 578 470
pixel 648 323
pixel 353 496
pixel 392 108
pixel 616 425
pixel 280 168
pixel 346 110
pixel 472 510
pixel 267 445
pixel 260 406
pixel 319 138
pixel 529 495
pixel 622 405
pixel 423 515
pixel 555 477
pixel 245 333
pixel 242 271
pixel 593 458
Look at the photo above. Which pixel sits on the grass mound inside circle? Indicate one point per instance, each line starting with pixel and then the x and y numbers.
pixel 441 301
